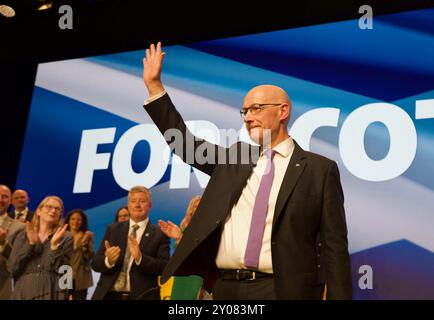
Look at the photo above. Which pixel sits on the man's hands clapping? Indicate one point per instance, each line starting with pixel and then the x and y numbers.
pixel 112 253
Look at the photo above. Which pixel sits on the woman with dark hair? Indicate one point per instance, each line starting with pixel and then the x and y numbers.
pixel 122 214
pixel 83 253
pixel 39 253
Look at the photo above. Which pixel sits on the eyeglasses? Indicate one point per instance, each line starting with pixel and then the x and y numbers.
pixel 50 207
pixel 256 108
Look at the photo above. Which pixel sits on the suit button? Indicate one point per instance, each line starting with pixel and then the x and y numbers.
pixel 319 266
pixel 319 244
pixel 217 222
pixel 273 243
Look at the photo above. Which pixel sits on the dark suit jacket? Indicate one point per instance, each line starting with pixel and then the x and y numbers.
pixel 309 234
pixel 28 217
pixel 14 227
pixel 155 248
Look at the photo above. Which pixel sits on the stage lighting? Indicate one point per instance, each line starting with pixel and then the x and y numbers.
pixel 7 11
pixel 43 4
pixel 11 8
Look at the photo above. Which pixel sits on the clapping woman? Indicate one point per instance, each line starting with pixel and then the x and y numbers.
pixel 83 253
pixel 38 253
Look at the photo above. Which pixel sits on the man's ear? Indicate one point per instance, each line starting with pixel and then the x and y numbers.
pixel 286 111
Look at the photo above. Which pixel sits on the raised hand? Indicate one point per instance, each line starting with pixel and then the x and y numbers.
pixel 170 229
pixel 86 237
pixel 58 235
pixel 112 253
pixel 32 234
pixel 78 239
pixel 134 248
pixel 152 65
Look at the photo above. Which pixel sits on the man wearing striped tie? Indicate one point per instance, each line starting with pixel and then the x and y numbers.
pixel 132 254
pixel 268 227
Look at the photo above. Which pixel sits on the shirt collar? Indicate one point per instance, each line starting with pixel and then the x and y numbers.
pixel 142 224
pixel 23 212
pixel 285 148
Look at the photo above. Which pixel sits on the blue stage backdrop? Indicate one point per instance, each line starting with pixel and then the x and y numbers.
pixel 364 98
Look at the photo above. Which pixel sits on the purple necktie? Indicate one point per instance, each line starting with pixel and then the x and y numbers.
pixel 260 208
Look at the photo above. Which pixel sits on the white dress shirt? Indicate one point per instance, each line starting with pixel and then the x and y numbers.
pixel 154 97
pixel 236 229
pixel 25 212
pixel 139 233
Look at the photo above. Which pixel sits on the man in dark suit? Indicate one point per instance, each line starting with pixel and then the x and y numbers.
pixel 132 254
pixel 268 227
pixel 20 201
pixel 9 229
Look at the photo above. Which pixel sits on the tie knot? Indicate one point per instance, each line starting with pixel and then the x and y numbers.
pixel 270 153
pixel 134 231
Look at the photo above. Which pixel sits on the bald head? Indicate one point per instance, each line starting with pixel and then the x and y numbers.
pixel 4 187
pixel 20 199
pixel 267 93
pixel 5 198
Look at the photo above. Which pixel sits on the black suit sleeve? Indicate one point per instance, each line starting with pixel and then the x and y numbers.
pixel 98 262
pixel 192 150
pixel 153 265
pixel 334 238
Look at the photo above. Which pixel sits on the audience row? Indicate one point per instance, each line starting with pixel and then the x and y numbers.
pixel 46 257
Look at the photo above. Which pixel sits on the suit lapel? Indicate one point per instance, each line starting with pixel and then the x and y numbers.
pixel 242 174
pixel 123 238
pixel 147 234
pixel 293 172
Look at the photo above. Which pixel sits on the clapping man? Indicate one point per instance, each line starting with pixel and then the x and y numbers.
pixel 132 254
